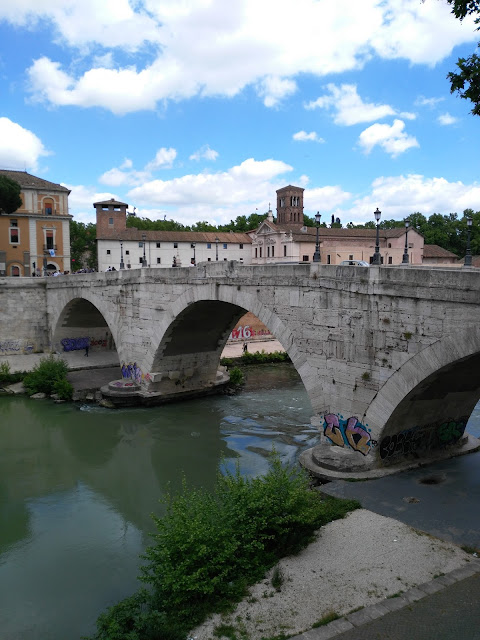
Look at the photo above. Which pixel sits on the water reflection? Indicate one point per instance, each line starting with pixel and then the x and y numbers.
pixel 78 485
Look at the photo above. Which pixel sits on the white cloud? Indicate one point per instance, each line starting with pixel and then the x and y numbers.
pixel 163 159
pixel 19 147
pixel 325 199
pixel 399 196
pixel 391 138
pixel 422 101
pixel 446 119
pixel 214 48
pixel 303 136
pixel 81 199
pixel 348 106
pixel 204 153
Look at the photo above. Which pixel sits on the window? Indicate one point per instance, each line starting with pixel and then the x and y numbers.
pixel 13 223
pixel 260 252
pixel 15 271
pixel 108 252
pixel 49 239
pixel 240 246
pixel 268 252
pixel 140 244
pixel 14 235
pixel 295 200
pixel 127 253
pixel 175 245
pixel 209 259
pixel 110 221
pixel 273 252
pixel 305 258
pixel 209 245
pixel 224 245
pixel 329 259
pixel 350 257
pixel 282 202
pixel 140 260
pixel 389 245
pixel 48 204
pixel 390 260
pixel 159 261
pixel 225 259
pixel 284 250
pixel 158 245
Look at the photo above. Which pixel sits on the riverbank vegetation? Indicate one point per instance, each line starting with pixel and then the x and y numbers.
pixel 211 546
pixel 6 377
pixel 258 357
pixel 49 376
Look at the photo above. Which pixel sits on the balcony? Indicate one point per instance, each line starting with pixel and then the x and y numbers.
pixel 47 248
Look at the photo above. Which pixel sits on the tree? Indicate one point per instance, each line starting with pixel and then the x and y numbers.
pixel 10 199
pixel 467 80
pixel 83 244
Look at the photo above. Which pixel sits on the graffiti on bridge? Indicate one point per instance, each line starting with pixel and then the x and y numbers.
pixel 76 344
pixel 421 439
pixel 246 332
pixel 348 432
pixel 130 370
pixel 15 346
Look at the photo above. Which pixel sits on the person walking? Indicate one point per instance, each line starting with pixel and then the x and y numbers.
pixel 245 347
pixel 87 346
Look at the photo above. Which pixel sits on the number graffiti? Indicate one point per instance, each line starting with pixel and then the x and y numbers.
pixel 246 332
pixel 420 439
pixel 349 432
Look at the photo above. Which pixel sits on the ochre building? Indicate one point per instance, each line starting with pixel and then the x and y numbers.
pixel 35 240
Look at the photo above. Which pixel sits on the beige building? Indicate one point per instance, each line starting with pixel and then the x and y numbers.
pixel 36 238
pixel 436 256
pixel 288 240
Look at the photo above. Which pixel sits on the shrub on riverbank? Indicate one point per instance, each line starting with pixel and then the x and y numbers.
pixel 6 377
pixel 210 546
pixel 49 376
pixel 258 357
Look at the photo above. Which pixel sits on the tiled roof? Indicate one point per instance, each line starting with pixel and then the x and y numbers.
pixel 111 202
pixel 328 232
pixel 434 251
pixel 475 261
pixel 180 236
pixel 27 181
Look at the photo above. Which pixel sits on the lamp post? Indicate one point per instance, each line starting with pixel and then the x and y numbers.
pixel 468 255
pixel 405 259
pixel 193 247
pixel 316 255
pixel 144 261
pixel 377 258
pixel 122 264
pixel 216 248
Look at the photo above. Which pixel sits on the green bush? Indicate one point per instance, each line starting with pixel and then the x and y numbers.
pixel 63 389
pixel 45 375
pixel 210 546
pixel 6 377
pixel 260 357
pixel 236 377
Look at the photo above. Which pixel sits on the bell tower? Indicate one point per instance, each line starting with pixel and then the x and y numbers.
pixel 290 206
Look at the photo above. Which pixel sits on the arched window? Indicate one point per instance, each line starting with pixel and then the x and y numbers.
pixel 15 271
pixel 48 207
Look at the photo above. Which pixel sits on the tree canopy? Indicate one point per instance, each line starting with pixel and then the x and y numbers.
pixel 466 81
pixel 10 199
pixel 83 244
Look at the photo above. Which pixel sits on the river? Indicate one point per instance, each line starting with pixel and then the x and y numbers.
pixel 78 485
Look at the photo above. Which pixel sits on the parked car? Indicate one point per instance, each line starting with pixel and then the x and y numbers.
pixel 354 263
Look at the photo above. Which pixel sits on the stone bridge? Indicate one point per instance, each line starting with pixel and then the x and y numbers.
pixel 389 356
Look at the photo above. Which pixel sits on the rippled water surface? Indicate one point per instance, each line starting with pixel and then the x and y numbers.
pixel 78 485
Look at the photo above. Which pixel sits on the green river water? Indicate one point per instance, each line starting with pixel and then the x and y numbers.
pixel 78 485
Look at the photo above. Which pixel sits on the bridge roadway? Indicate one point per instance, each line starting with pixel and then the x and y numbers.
pixel 388 356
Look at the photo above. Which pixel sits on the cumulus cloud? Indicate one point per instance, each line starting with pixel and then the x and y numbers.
pixel 218 49
pixel 422 101
pixel 81 199
pixel 163 159
pixel 19 147
pixel 446 119
pixel 126 175
pixel 348 106
pixel 391 138
pixel 204 153
pixel 399 196
pixel 303 136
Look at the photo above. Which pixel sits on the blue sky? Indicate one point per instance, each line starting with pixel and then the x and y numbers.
pixel 201 109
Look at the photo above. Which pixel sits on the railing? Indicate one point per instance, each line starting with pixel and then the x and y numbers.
pixel 46 248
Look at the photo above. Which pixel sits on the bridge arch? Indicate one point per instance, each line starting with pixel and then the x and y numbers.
pixel 79 322
pixel 426 403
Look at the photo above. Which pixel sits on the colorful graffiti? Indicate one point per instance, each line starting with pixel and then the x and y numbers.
pixel 421 439
pixel 131 371
pixel 10 345
pixel 76 344
pixel 348 432
pixel 246 332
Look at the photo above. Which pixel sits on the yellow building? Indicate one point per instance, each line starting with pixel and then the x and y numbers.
pixel 35 240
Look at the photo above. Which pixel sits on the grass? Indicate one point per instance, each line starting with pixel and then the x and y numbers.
pixel 278 578
pixel 330 616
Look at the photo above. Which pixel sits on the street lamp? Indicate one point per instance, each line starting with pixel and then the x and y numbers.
pixel 193 247
pixel 316 255
pixel 122 264
pixel 144 262
pixel 405 259
pixel 468 255
pixel 216 248
pixel 377 258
